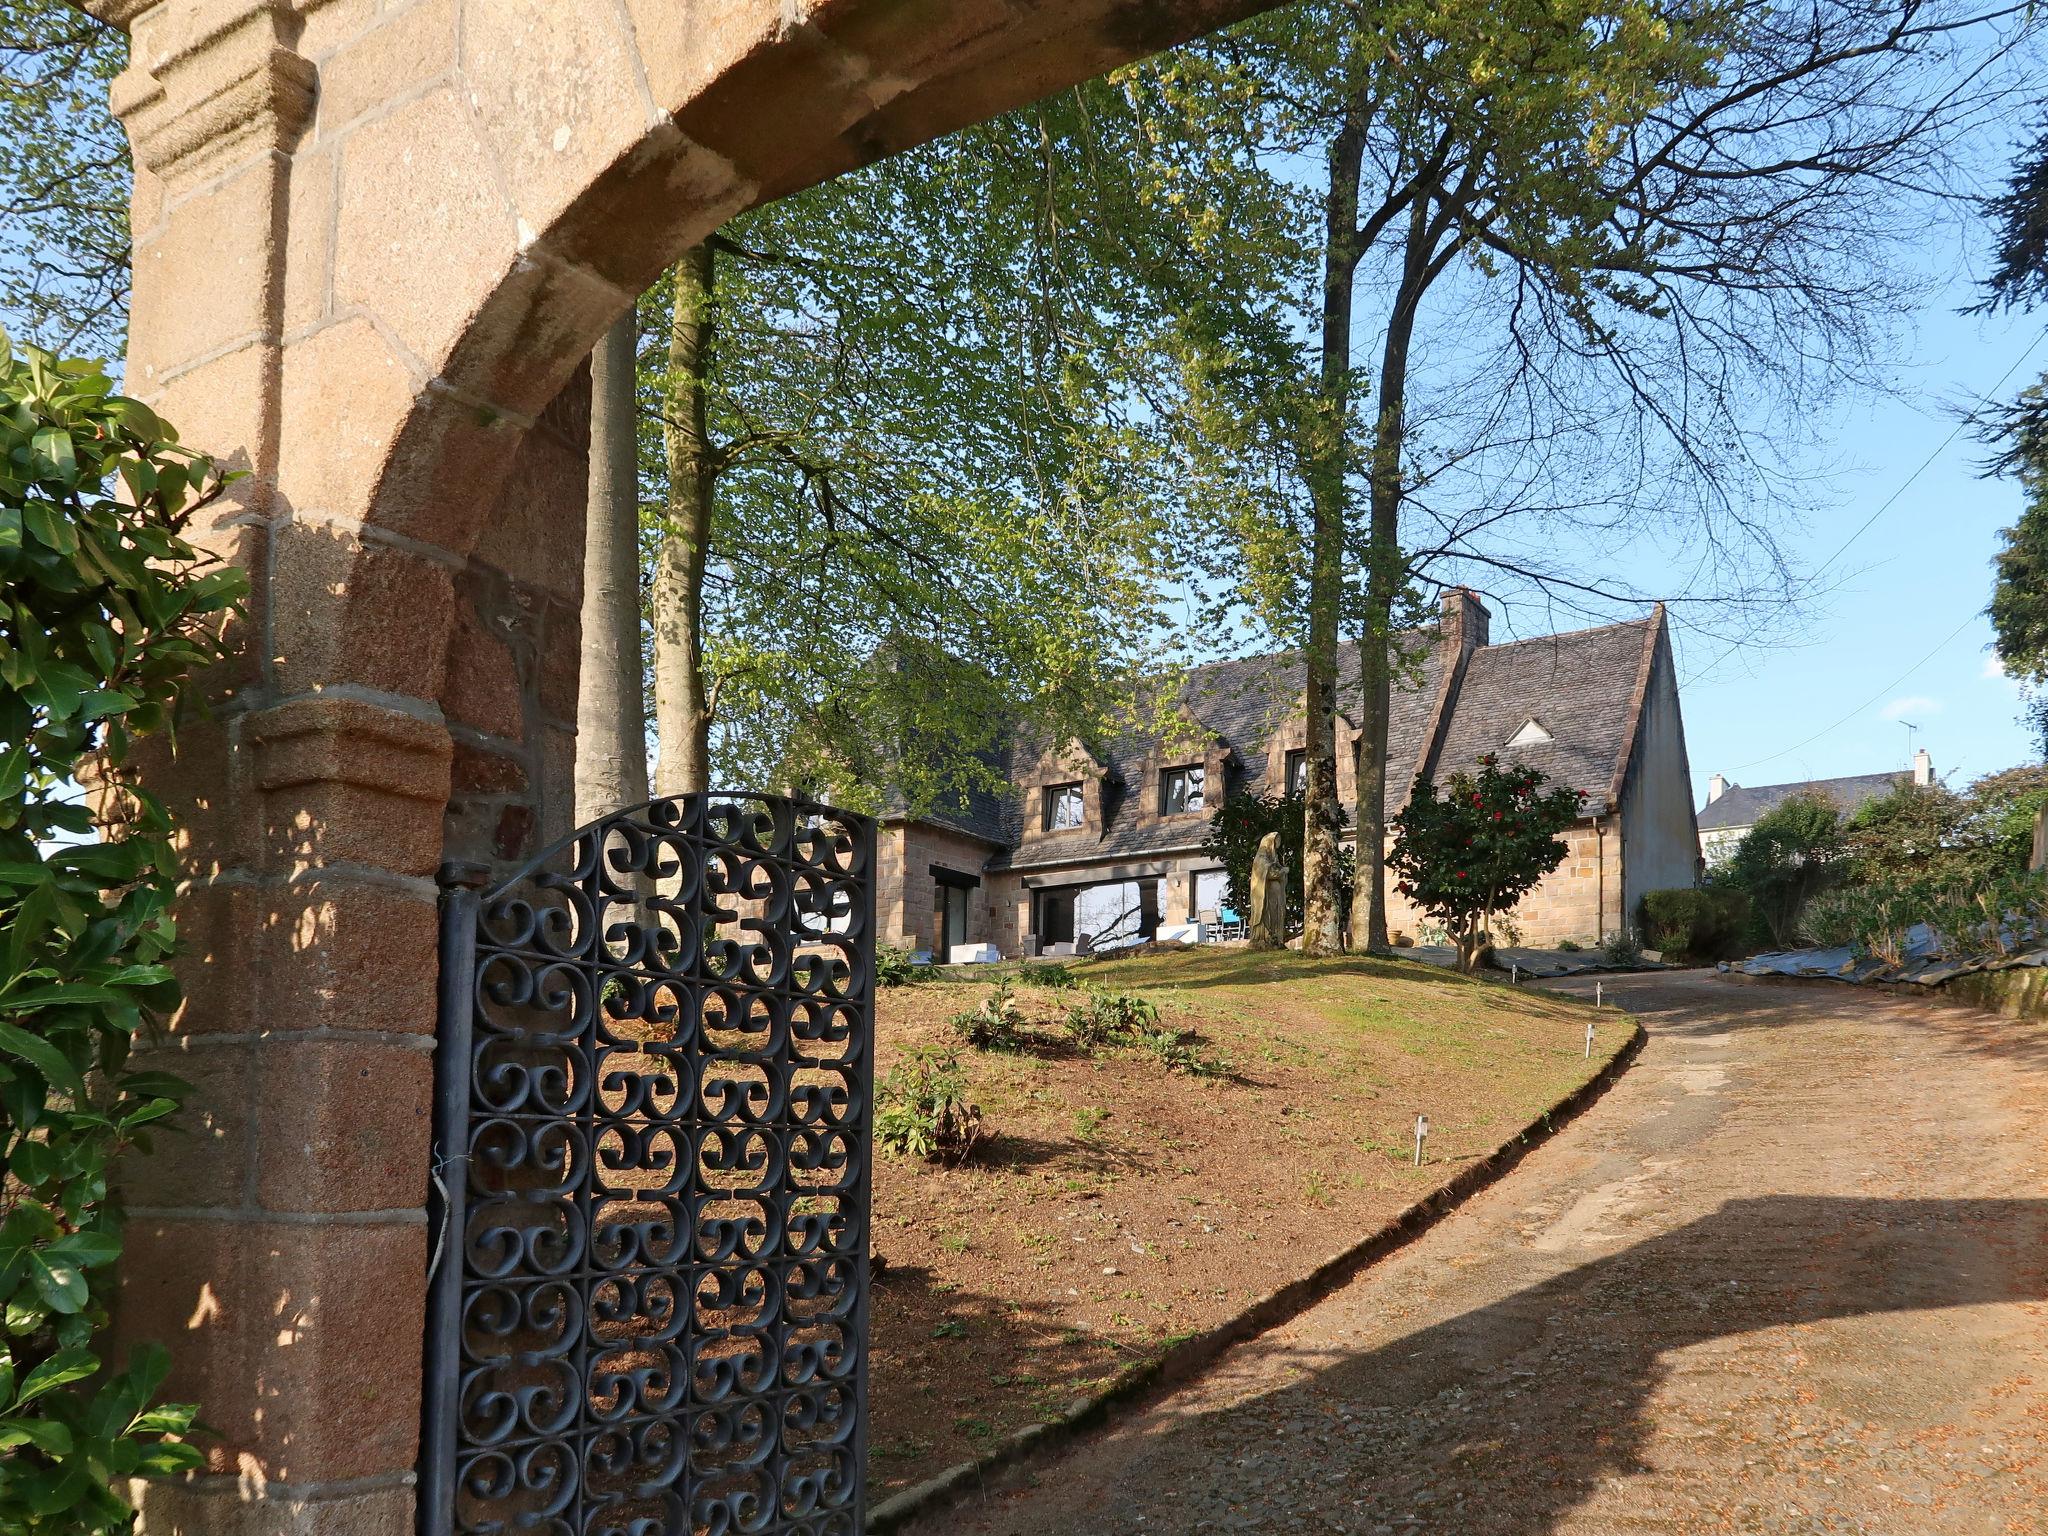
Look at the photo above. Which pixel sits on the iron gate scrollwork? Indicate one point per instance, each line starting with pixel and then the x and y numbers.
pixel 648 1307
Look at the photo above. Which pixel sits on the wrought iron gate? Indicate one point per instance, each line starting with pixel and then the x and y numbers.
pixel 647 1312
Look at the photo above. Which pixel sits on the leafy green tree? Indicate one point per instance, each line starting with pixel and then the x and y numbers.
pixel 2019 594
pixel 908 460
pixel 107 612
pixel 1915 832
pixel 1796 850
pixel 64 179
pixel 1471 851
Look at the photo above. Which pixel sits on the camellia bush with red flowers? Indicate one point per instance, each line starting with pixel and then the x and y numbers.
pixel 1478 845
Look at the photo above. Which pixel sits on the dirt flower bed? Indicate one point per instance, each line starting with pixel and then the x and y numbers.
pixel 1119 1205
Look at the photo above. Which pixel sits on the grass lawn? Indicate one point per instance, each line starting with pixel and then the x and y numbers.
pixel 1119 1206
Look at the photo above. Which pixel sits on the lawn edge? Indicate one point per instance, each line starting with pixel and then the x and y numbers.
pixel 1278 1306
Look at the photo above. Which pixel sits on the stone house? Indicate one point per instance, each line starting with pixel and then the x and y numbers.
pixel 1103 844
pixel 1732 809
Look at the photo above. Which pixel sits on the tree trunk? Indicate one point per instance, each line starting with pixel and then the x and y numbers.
pixel 611 713
pixel 1322 929
pixel 1383 576
pixel 682 704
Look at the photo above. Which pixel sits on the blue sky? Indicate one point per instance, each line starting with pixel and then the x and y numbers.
pixel 1828 696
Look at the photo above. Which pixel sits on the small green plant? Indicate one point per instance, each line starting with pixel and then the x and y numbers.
pixel 1570 946
pixel 1057 978
pixel 922 1110
pixel 1110 1018
pixel 895 968
pixel 1089 1120
pixel 1619 947
pixel 997 1024
pixel 1176 1053
pixel 952 1328
pixel 1314 1190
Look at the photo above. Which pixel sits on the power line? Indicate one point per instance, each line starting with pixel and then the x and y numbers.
pixel 1886 505
pixel 1887 688
pixel 1940 448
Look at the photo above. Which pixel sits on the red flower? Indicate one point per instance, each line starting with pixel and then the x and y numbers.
pixel 1461 874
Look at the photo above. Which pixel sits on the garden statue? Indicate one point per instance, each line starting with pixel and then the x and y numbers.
pixel 1269 895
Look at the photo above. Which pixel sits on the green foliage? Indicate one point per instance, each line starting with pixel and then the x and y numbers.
pixel 1110 1018
pixel 997 1024
pixel 2019 431
pixel 942 389
pixel 63 179
pixel 1054 978
pixel 1794 852
pixel 1236 828
pixel 1619 946
pixel 895 968
pixel 1173 1050
pixel 1993 917
pixel 1701 923
pixel 105 612
pixel 922 1110
pixel 1479 846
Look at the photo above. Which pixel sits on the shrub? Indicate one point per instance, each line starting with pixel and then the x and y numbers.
pixel 1109 1018
pixel 1055 978
pixel 921 1109
pixel 996 1025
pixel 1795 851
pixel 1177 1053
pixel 1475 849
pixel 108 612
pixel 1619 947
pixel 1703 923
pixel 1570 946
pixel 895 968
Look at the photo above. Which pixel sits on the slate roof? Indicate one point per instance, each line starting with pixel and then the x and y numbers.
pixel 1741 807
pixel 1582 688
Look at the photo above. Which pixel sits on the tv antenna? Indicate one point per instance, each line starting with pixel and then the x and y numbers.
pixel 1911 731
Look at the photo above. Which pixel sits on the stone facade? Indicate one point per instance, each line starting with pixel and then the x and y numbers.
pixel 1614 731
pixel 374 241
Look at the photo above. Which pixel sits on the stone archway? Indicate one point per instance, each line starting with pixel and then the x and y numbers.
pixel 374 240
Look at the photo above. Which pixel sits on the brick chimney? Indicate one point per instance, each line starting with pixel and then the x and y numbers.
pixel 1923 768
pixel 1716 788
pixel 1465 619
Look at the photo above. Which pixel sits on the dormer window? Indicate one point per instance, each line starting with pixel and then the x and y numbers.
pixel 1297 772
pixel 1063 807
pixel 1532 734
pixel 1180 790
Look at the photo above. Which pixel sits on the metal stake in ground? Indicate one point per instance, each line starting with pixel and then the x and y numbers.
pixel 1598 988
pixel 1421 1133
pixel 1589 1039
pixel 1515 972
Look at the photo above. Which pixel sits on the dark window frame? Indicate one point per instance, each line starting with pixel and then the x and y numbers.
pixel 1051 795
pixel 1194 794
pixel 1294 772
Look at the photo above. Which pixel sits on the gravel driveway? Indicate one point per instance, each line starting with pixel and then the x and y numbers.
pixel 1789 1275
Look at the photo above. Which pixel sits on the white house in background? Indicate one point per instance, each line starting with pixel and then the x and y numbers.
pixel 1732 810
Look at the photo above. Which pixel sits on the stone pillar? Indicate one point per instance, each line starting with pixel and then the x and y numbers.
pixel 278 1247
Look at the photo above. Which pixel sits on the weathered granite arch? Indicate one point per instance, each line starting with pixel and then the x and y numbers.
pixel 374 240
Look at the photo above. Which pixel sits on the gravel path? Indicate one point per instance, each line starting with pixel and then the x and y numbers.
pixel 1789 1275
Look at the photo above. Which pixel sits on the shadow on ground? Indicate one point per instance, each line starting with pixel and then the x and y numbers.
pixel 1503 1420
